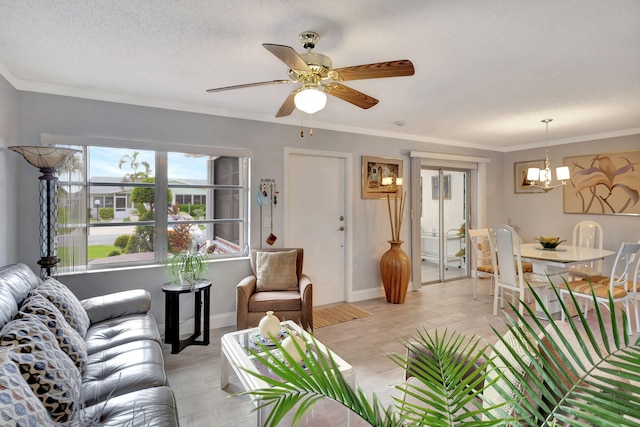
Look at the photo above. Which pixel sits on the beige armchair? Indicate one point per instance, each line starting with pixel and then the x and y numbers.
pixel 277 284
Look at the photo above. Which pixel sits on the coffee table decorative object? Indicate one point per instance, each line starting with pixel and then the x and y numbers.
pixel 241 352
pixel 258 339
pixel 269 325
pixel 292 344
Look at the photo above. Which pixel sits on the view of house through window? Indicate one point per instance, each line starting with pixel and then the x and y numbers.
pixel 121 207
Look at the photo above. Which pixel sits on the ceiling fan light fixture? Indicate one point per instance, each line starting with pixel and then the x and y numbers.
pixel 310 100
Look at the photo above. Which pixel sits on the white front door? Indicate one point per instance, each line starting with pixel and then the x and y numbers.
pixel 316 218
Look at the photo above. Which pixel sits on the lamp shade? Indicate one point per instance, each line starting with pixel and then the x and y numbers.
pixel 44 157
pixel 562 173
pixel 545 175
pixel 310 100
pixel 533 174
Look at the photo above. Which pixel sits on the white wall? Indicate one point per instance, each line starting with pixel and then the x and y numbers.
pixel 8 166
pixel 80 117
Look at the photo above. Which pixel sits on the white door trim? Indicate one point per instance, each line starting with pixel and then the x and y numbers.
pixel 348 192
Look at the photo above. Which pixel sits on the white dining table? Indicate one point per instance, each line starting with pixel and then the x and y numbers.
pixel 552 266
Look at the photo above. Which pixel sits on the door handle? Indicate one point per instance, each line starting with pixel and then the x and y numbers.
pixel 341 228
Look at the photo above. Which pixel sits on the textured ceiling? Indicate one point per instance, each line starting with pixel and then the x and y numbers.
pixel 487 71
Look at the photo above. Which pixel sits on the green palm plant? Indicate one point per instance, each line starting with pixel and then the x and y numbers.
pixel 573 374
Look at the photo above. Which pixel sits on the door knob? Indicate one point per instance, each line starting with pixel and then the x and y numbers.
pixel 341 228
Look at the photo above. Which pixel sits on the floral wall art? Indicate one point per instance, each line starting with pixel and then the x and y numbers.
pixel 603 184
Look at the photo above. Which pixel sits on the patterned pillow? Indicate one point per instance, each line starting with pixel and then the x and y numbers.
pixel 66 302
pixel 18 405
pixel 53 377
pixel 68 338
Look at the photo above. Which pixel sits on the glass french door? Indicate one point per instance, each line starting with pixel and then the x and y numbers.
pixel 443 244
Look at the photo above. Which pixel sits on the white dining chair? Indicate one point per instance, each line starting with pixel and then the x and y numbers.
pixel 616 284
pixel 587 234
pixel 510 277
pixel 633 290
pixel 482 259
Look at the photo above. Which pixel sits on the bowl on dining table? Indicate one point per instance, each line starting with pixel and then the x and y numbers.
pixel 549 242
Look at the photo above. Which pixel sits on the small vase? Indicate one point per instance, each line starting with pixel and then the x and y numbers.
pixel 395 269
pixel 289 346
pixel 269 326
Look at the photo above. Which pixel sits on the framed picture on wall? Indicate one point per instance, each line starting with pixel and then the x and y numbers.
pixel 435 187
pixel 381 176
pixel 521 185
pixel 606 183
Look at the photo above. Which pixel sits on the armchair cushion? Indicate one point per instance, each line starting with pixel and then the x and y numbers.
pixel 275 301
pixel 276 271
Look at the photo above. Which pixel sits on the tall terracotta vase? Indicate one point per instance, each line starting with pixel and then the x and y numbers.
pixel 395 269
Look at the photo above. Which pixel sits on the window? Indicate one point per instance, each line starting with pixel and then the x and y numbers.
pixel 110 200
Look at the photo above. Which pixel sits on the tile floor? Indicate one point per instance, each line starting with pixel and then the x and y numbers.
pixel 194 373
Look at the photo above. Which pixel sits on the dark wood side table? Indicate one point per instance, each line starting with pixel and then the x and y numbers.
pixel 200 289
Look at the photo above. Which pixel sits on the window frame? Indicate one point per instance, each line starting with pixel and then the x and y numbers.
pixel 160 222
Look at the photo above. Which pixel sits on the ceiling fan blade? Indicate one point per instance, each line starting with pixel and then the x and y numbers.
pixel 399 68
pixel 287 106
pixel 270 82
pixel 287 55
pixel 350 95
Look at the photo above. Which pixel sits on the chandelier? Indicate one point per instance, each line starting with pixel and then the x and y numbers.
pixel 544 175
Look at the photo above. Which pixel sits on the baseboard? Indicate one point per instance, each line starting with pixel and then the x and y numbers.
pixel 367 294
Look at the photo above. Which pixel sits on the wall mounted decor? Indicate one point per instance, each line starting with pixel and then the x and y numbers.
pixel 605 184
pixel 381 176
pixel 435 187
pixel 521 184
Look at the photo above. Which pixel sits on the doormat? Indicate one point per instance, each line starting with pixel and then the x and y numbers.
pixel 327 316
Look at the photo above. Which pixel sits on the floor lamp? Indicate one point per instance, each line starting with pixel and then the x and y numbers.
pixel 48 160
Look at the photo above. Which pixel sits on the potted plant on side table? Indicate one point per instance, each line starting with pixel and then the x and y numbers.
pixel 186 268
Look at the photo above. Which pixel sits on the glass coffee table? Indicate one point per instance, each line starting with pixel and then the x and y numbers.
pixel 234 352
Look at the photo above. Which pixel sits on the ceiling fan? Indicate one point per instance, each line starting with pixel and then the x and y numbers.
pixel 314 72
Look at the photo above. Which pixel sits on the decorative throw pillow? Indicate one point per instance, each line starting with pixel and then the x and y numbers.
pixel 69 339
pixel 66 302
pixel 19 406
pixel 276 271
pixel 50 373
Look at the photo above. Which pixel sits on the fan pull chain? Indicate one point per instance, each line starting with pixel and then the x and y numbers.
pixel 302 126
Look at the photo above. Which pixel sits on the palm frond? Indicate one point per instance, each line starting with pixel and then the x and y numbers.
pixel 449 374
pixel 572 373
pixel 299 385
